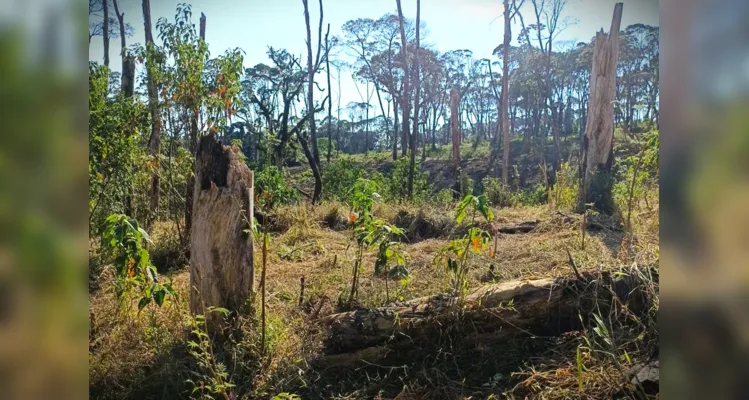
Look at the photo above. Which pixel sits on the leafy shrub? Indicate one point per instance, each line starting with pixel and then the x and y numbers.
pixel 531 197
pixel 339 177
pixel 563 195
pixel 497 193
pixel 124 238
pixel 443 198
pixel 395 183
pixel 271 189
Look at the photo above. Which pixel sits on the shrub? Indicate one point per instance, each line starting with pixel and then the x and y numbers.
pixel 497 193
pixel 271 189
pixel 339 177
pixel 394 186
pixel 563 195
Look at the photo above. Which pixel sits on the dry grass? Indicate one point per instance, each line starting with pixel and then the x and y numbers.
pixel 144 356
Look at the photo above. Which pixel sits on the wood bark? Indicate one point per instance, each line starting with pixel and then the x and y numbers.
pixel 154 142
pixel 454 128
pixel 128 62
pixel 330 95
pixel 105 30
pixel 406 96
pixel 221 258
pixel 417 87
pixel 547 306
pixel 598 142
pixel 505 100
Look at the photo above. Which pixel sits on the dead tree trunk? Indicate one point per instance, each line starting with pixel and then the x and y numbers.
pixel 505 100
pixel 417 87
pixel 545 306
pixel 154 142
pixel 598 142
pixel 105 31
pixel 221 259
pixel 406 96
pixel 454 128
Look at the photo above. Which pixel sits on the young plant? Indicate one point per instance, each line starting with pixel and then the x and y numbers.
pixel 135 273
pixel 374 234
pixel 455 255
pixel 213 377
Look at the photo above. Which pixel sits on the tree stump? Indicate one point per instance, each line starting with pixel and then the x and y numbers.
pixel 221 267
pixel 598 142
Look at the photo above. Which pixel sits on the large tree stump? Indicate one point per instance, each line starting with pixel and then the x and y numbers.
pixel 221 267
pixel 598 142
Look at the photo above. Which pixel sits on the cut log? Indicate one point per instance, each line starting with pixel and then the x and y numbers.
pixel 544 306
pixel 221 267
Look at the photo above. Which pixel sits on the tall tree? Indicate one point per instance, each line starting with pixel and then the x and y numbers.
pixel 128 62
pixel 406 94
pixel 314 156
pixel 417 86
pixel 598 142
pixel 505 101
pixel 154 142
pixel 330 91
pixel 454 128
pixel 105 31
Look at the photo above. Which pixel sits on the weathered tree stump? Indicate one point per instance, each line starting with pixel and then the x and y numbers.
pixel 598 142
pixel 221 267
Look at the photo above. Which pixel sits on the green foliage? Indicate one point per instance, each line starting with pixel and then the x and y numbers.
pixel 395 188
pixel 635 173
pixel 443 198
pixel 466 184
pixel 322 146
pixel 115 159
pixel 563 195
pixel 373 233
pixel 339 177
pixel 454 256
pixel 214 378
pixel 271 189
pixel 498 194
pixel 124 239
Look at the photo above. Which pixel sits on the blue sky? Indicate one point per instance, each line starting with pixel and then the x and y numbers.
pixel 253 25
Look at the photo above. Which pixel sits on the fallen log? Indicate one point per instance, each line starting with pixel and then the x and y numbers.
pixel 523 227
pixel 544 307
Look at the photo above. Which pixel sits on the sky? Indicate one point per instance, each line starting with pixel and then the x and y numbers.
pixel 253 25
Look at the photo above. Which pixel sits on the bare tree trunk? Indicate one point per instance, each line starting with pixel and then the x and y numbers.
pixel 330 95
pixel 454 128
pixel 406 95
pixel 598 142
pixel 417 86
pixel 505 101
pixel 127 84
pixel 311 69
pixel 154 142
pixel 105 31
pixel 221 265
pixel 193 147
pixel 395 130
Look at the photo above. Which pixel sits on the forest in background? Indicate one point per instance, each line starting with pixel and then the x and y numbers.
pixel 439 143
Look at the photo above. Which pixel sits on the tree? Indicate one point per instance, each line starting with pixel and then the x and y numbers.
pixel 415 130
pixel 128 62
pixel 330 97
pixel 598 143
pixel 154 143
pixel 406 95
pixel 105 31
pixel 509 14
pixel 454 128
pixel 314 160
pixel 96 22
